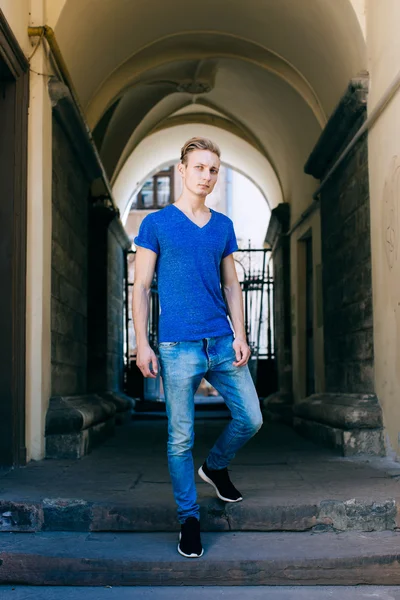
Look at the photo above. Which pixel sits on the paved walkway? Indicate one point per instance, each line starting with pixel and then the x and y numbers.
pixel 201 593
pixel 277 468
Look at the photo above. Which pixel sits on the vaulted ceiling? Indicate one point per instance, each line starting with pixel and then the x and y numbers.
pixel 264 75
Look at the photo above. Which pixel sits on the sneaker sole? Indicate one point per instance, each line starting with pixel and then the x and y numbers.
pixel 208 480
pixel 189 555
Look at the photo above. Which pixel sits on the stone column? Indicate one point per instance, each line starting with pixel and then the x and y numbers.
pixel 346 247
pixel 107 244
pixel 348 415
pixel 278 405
pixel 101 213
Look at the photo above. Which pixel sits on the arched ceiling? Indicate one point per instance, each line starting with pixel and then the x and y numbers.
pixel 319 38
pixel 285 140
pixel 267 73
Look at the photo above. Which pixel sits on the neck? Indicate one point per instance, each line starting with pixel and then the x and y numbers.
pixel 191 202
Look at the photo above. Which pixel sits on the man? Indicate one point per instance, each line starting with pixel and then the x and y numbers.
pixel 191 247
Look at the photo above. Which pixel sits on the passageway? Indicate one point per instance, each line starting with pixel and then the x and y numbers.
pixel 266 82
pixel 281 87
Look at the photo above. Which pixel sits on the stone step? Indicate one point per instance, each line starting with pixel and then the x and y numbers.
pixel 234 559
pixel 159 514
pixel 61 514
pixel 22 592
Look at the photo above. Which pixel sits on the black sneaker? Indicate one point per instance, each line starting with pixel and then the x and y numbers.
pixel 220 481
pixel 189 539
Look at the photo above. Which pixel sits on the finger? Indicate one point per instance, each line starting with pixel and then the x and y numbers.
pixel 243 360
pixel 149 375
pixel 146 372
pixel 240 363
pixel 154 365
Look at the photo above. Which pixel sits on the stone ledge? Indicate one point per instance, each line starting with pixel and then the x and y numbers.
pixel 121 401
pixel 339 130
pixel 75 514
pixel 77 424
pixel 78 444
pixel 71 414
pixel 345 411
pixel 278 407
pixel 349 442
pixel 125 405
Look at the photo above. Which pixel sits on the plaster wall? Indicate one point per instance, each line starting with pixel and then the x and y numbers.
pixel 384 170
pixel 38 283
pixel 360 10
pixel 298 292
pixel 17 15
pixel 53 11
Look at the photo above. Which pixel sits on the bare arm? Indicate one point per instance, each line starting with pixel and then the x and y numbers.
pixel 234 300
pixel 144 272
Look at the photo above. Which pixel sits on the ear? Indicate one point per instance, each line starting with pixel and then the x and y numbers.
pixel 181 169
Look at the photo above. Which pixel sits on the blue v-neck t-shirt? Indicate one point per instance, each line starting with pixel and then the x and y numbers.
pixel 188 265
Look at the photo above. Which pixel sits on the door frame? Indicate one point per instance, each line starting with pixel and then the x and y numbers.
pixel 13 180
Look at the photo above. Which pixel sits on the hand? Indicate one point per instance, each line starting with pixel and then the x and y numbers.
pixel 146 361
pixel 242 352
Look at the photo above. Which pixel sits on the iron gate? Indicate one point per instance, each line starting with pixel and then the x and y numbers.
pixel 254 268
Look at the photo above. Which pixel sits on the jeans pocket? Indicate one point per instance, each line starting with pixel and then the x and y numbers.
pixel 167 344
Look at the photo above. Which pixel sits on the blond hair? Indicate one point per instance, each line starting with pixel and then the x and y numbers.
pixel 198 143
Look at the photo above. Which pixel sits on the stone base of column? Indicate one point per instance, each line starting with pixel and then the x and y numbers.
pixel 77 424
pixel 350 423
pixel 278 407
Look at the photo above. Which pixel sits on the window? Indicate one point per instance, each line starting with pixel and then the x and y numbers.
pixel 157 191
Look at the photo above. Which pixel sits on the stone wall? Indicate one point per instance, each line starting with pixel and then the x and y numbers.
pixel 69 268
pixel 115 308
pixel 280 243
pixel 88 243
pixel 346 248
pixel 107 244
pixel 347 281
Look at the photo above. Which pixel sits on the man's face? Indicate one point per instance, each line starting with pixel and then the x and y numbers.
pixel 201 172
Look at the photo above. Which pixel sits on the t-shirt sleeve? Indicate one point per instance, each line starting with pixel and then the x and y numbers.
pixel 231 243
pixel 147 236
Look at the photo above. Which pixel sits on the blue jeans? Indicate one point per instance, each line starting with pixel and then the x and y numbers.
pixel 183 365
